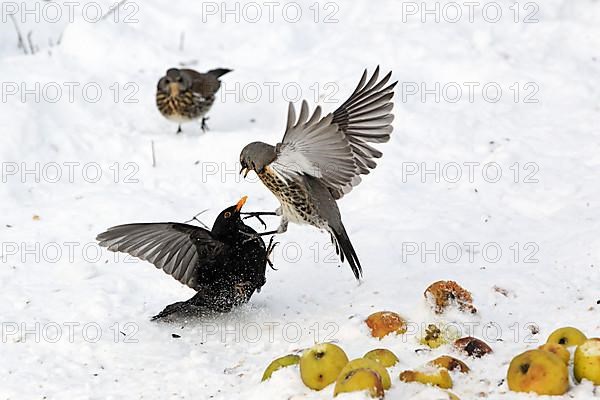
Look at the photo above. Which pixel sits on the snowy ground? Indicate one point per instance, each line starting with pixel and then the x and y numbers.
pixel 542 213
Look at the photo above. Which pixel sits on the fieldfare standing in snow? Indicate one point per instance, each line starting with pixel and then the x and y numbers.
pixel 183 95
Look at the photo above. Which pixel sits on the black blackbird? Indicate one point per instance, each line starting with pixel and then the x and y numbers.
pixel 184 95
pixel 225 265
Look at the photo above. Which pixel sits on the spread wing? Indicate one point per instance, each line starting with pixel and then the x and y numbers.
pixel 178 249
pixel 335 148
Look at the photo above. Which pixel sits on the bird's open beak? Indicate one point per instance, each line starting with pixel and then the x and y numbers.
pixel 174 89
pixel 240 203
pixel 244 171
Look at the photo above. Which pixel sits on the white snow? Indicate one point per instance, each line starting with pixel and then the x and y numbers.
pixel 52 274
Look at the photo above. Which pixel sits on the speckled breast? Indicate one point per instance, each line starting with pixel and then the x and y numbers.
pixel 183 107
pixel 296 204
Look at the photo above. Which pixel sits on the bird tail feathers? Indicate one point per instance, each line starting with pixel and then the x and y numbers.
pixel 345 249
pixel 217 73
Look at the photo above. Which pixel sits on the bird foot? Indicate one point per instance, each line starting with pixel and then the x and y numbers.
pixel 258 215
pixel 254 236
pixel 179 130
pixel 270 249
pixel 203 126
pixel 241 289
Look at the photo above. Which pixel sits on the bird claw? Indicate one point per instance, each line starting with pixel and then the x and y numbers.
pixel 241 288
pixel 203 126
pixel 257 215
pixel 270 249
pixel 251 236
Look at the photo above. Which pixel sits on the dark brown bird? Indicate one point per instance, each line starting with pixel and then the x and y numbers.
pixel 224 266
pixel 319 160
pixel 183 95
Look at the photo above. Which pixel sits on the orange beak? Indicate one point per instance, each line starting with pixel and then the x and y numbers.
pixel 240 203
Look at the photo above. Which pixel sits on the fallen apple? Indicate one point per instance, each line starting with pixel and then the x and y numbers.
pixel 281 362
pixel 369 364
pixel 321 364
pixel 433 337
pixel 586 363
pixel 361 379
pixel 538 371
pixel 450 363
pixel 567 336
pixel 472 347
pixel 558 349
pixel 383 356
pixel 383 323
pixel 437 377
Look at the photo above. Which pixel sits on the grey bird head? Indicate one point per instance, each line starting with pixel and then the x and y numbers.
pixel 256 156
pixel 174 82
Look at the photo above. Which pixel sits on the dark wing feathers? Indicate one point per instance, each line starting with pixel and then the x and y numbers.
pixel 178 249
pixel 206 84
pixel 335 148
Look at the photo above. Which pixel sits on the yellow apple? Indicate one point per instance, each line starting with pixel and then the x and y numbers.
pixel 383 323
pixel 369 364
pixel 437 377
pixel 538 371
pixel 434 337
pixel 450 363
pixel 452 396
pixel 383 356
pixel 361 379
pixel 558 349
pixel 281 362
pixel 321 364
pixel 586 364
pixel 567 336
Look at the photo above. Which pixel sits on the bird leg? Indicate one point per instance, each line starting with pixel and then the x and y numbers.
pixel 241 290
pixel 204 127
pixel 283 225
pixel 282 229
pixel 257 215
pixel 270 249
pixel 178 130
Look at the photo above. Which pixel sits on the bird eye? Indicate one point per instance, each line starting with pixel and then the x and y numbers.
pixel 227 214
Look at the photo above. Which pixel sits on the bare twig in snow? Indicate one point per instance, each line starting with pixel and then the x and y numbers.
pixel 20 43
pixel 181 40
pixel 153 154
pixel 31 46
pixel 195 218
pixel 112 10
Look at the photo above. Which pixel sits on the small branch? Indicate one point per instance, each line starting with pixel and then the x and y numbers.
pixel 153 154
pixel 113 9
pixel 195 218
pixel 31 46
pixel 20 43
pixel 181 40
